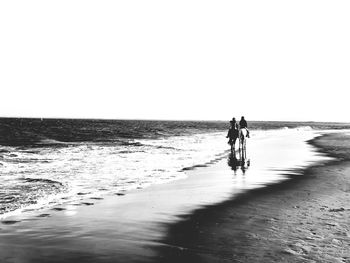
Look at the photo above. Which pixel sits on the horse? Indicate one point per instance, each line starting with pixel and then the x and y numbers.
pixel 243 134
pixel 233 138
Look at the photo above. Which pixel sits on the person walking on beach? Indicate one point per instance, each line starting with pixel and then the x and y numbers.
pixel 232 133
pixel 244 125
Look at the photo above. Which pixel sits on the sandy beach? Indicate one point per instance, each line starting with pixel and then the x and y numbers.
pixel 303 219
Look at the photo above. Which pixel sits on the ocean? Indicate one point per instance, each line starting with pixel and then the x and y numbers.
pixel 46 162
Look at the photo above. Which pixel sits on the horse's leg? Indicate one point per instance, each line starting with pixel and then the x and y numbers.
pixel 239 152
pixel 243 155
pixel 245 149
pixel 239 140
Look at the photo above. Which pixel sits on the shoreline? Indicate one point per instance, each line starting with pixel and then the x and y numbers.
pixel 304 219
pixel 125 228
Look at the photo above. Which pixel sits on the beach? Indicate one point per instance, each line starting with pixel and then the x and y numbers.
pixel 174 131
pixel 277 210
pixel 305 219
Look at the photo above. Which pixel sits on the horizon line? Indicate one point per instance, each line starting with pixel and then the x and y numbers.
pixel 155 119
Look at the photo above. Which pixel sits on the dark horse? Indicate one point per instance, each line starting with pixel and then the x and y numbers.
pixel 233 134
pixel 232 142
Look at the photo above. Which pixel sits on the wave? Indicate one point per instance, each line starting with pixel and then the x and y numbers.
pixel 304 128
pixel 286 128
pixel 193 167
pixel 50 142
pixel 217 157
pixel 24 192
pixel 41 180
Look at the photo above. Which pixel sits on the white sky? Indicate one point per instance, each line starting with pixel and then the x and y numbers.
pixel 267 60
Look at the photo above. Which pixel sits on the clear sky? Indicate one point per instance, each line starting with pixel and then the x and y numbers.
pixel 183 59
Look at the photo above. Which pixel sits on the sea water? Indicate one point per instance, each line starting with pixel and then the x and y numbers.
pixel 53 161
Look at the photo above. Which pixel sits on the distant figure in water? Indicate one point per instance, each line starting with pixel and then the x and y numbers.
pixel 244 125
pixel 232 133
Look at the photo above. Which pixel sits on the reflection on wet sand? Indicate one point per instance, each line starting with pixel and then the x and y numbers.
pixel 241 162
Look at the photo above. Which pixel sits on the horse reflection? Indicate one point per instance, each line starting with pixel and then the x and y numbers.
pixel 240 162
pixel 243 135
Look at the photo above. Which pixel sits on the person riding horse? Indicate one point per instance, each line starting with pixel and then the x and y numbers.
pixel 242 133
pixel 244 125
pixel 232 133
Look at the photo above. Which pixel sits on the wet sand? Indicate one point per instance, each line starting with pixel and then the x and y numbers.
pixel 305 219
pixel 208 217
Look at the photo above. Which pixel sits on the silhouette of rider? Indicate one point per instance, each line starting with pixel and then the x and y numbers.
pixel 244 125
pixel 232 133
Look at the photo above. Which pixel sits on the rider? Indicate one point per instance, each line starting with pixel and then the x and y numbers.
pixel 232 133
pixel 243 124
